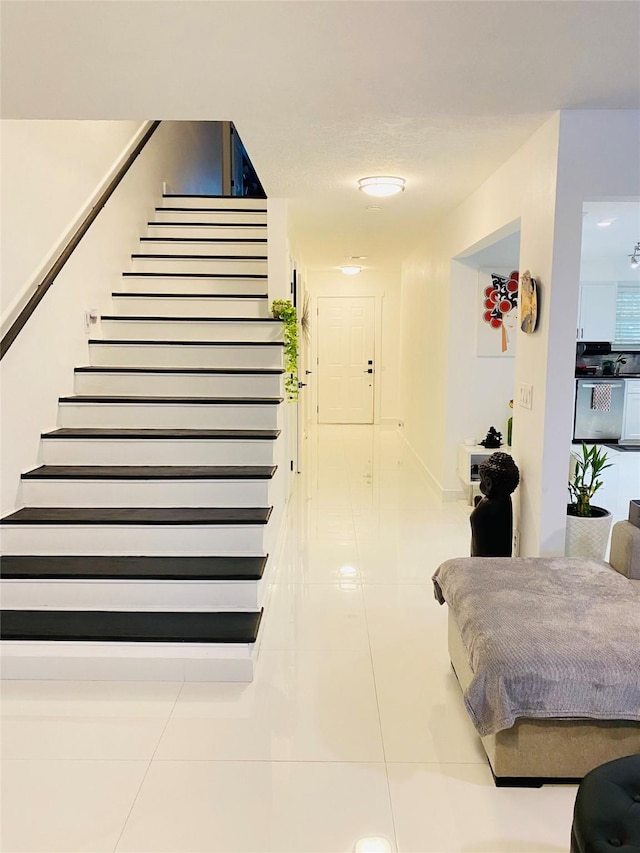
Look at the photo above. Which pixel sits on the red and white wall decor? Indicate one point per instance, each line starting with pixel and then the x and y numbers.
pixel 497 312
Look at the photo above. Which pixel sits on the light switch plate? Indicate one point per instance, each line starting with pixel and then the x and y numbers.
pixel 525 398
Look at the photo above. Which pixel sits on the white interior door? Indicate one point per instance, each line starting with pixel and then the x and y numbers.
pixel 346 359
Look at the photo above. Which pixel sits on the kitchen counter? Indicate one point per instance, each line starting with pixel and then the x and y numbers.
pixel 619 376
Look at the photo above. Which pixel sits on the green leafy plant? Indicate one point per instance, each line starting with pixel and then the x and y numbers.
pixel 283 309
pixel 620 360
pixel 590 463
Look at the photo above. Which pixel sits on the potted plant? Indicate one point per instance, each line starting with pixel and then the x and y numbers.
pixel 588 525
pixel 283 309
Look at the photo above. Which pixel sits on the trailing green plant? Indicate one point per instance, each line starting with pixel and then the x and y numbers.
pixel 590 463
pixel 284 310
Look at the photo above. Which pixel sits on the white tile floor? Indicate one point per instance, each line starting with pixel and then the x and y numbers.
pixel 353 736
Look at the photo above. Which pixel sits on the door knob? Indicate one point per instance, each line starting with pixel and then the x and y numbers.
pixel 370 370
pixel 302 384
pixel 308 372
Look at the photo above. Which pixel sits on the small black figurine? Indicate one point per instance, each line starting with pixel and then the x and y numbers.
pixel 492 518
pixel 493 439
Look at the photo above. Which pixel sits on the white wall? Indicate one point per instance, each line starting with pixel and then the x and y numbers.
pixel 38 368
pixel 279 284
pixel 51 174
pixel 609 269
pixel 488 380
pixel 575 156
pixel 384 284
pixel 49 171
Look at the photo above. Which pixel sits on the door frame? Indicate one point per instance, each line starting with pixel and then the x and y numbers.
pixel 377 348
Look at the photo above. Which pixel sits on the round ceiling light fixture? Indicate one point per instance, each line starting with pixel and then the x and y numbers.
pixel 381 185
pixel 350 269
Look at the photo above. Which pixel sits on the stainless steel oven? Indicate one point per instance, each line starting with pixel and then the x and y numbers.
pixel 599 409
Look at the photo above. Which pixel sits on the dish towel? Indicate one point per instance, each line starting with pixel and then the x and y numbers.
pixel 601 398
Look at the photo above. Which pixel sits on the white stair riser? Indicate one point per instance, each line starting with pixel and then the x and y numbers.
pixel 208 231
pixel 226 217
pixel 203 247
pixel 224 203
pixel 161 416
pixel 179 385
pixel 197 265
pixel 168 330
pixel 156 452
pixel 132 355
pixel 135 540
pixel 186 284
pixel 203 307
pixel 131 594
pixel 145 493
pixel 128 661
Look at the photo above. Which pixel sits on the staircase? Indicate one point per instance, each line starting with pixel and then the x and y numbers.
pixel 142 549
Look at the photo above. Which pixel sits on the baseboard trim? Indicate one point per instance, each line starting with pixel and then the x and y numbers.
pixel 431 480
pixel 450 495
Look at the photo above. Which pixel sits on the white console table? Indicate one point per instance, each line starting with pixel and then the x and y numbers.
pixel 469 458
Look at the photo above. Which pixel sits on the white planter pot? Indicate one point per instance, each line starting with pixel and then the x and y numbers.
pixel 587 537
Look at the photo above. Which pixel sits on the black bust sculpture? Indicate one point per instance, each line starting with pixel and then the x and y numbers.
pixel 492 518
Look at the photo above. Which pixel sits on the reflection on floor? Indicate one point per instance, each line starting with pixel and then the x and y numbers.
pixel 353 736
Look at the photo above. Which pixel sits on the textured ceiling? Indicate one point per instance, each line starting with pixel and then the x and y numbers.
pixel 326 92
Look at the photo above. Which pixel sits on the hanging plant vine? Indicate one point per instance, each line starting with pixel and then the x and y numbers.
pixel 283 309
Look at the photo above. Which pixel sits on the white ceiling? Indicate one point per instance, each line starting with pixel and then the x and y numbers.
pixel 437 91
pixel 618 238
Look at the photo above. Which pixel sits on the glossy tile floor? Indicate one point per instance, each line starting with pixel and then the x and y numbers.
pixel 353 737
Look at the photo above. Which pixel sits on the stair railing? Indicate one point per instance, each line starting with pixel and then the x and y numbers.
pixel 63 256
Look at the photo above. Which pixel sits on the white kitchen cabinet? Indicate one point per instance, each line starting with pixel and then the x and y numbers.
pixel 597 311
pixel 631 417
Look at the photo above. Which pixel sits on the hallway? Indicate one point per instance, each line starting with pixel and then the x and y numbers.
pixel 353 736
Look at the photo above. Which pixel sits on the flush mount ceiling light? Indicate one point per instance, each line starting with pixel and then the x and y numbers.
pixel 605 223
pixel 381 185
pixel 635 257
pixel 350 269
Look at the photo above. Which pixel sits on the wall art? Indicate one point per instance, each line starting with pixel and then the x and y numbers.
pixel 498 312
pixel 528 303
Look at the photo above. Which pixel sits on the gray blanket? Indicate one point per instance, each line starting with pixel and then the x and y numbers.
pixel 550 638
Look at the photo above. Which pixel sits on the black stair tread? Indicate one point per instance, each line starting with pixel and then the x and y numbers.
pixel 179 256
pixel 196 319
pixel 209 224
pixel 58 567
pixel 197 401
pixel 216 195
pixel 198 371
pixel 203 239
pixel 131 626
pixel 139 515
pixel 156 342
pixel 162 434
pixel 244 210
pixel 176 295
pixel 151 472
pixel 213 275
